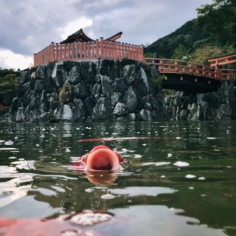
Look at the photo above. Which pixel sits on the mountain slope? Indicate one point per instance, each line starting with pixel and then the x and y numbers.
pixel 191 38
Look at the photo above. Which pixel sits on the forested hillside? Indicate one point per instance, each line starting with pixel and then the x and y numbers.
pixel 212 33
pixel 187 35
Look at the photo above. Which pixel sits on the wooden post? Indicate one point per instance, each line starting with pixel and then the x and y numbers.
pixel 97 49
pixel 176 66
pixel 85 50
pixel 72 50
pixel 115 50
pixel 60 53
pixel 52 52
pixel 68 51
pixel 80 50
pixel 101 46
pixel 35 59
pixel 104 49
pixel 56 52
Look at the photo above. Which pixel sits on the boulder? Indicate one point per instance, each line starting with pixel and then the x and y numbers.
pixel 34 103
pixel 105 67
pixel 24 77
pixel 63 113
pixel 102 109
pixel 41 72
pixel 106 86
pixel 81 90
pixel 183 114
pixel 130 100
pixel 115 71
pixel 120 109
pixel 44 117
pixel 145 115
pixel 97 90
pixel 89 104
pixel 158 115
pixel 88 72
pixel 50 68
pixel 60 77
pixel 140 85
pixel 14 105
pixel 79 112
pixel 74 75
pixel 39 85
pixel 129 74
pixel 115 97
pixel 119 86
pixel 131 117
pixel 68 65
pixel 20 115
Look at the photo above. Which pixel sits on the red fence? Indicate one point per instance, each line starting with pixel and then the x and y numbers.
pixel 222 60
pixel 184 67
pixel 87 51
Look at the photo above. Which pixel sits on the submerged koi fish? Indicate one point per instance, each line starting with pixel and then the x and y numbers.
pixel 111 139
pixel 73 224
pixel 100 158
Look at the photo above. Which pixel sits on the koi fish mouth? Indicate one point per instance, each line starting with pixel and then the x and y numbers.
pixel 102 159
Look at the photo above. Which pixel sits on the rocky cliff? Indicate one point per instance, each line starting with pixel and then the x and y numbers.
pixel 220 105
pixel 88 91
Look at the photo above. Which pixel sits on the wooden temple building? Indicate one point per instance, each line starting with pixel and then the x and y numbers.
pixel 78 46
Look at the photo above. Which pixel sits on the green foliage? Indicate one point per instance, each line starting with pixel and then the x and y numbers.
pixel 219 19
pixel 201 55
pixel 8 87
pixel 180 53
pixel 4 72
pixel 186 35
pixel 156 82
pixel 149 55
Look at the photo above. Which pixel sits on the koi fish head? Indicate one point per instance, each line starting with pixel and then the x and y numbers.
pixel 102 158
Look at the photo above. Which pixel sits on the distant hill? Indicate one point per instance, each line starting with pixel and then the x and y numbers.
pixel 187 35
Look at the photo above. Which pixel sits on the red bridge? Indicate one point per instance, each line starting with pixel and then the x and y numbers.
pixel 192 77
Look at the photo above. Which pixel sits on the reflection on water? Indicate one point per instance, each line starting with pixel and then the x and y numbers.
pixel 181 184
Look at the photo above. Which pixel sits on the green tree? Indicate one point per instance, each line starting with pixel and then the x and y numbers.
pixel 218 19
pixel 180 53
pixel 201 55
pixel 8 88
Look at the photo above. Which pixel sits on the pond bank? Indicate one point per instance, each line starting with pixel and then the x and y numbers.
pixel 111 90
pixel 88 91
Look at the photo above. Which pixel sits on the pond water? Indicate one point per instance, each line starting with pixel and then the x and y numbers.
pixel 182 183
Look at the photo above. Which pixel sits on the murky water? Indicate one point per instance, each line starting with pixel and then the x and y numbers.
pixel 181 184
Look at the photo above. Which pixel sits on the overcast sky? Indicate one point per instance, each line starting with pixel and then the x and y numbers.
pixel 28 26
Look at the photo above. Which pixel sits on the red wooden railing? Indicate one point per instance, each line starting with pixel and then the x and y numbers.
pixel 222 60
pixel 184 67
pixel 87 51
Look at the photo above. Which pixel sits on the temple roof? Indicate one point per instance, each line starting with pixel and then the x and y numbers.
pixel 114 37
pixel 80 36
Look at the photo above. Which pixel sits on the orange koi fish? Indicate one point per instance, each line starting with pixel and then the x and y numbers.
pixel 100 158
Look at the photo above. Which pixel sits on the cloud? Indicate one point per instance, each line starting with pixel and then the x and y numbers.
pixel 29 26
pixel 8 59
pixel 72 27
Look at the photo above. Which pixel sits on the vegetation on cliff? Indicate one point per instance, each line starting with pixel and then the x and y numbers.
pixel 9 82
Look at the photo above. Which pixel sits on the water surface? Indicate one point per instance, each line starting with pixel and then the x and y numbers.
pixel 183 183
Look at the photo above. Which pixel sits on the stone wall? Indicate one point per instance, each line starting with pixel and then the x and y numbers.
pixel 220 105
pixel 88 91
